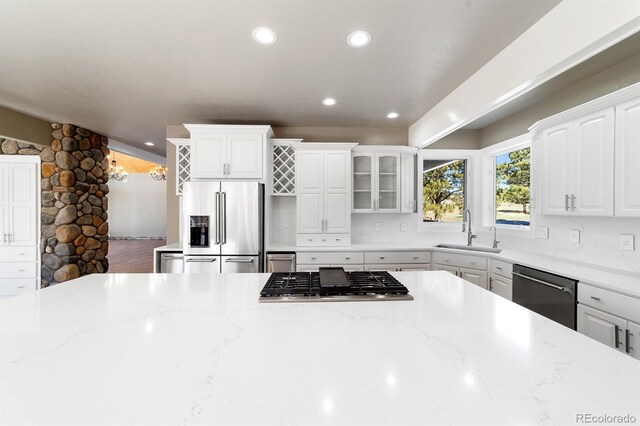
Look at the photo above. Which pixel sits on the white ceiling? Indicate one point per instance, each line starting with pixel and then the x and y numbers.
pixel 129 68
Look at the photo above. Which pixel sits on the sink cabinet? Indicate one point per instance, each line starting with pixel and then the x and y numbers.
pixel 470 268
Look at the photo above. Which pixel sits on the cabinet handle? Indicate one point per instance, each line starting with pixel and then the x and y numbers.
pixel 381 257
pixel 20 286
pixel 490 284
pixel 473 263
pixel 21 254
pixel 573 202
pixel 20 270
pixel 617 341
pixel 595 298
pixel 446 259
pixel 347 258
pixel 627 347
pixel 313 258
pixel 499 268
pixel 566 202
pixel 415 257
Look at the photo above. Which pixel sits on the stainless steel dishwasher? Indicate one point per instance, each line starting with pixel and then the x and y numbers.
pixel 281 262
pixel 548 294
pixel 171 263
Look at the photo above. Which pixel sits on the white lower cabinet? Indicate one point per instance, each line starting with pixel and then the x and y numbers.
pixel 397 261
pixel 500 281
pixel 469 268
pixel 610 318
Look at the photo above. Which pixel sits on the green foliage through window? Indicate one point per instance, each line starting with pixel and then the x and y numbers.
pixel 513 181
pixel 444 191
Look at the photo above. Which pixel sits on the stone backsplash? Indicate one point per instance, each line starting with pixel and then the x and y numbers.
pixel 74 218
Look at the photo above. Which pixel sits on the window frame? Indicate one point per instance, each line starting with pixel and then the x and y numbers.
pixel 489 184
pixel 470 185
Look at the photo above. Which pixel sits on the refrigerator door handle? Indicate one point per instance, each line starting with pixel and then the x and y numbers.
pixel 218 218
pixel 223 215
pixel 243 260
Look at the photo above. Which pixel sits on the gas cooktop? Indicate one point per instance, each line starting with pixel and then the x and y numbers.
pixel 332 284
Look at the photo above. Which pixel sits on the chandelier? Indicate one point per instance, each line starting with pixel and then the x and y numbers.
pixel 117 172
pixel 159 173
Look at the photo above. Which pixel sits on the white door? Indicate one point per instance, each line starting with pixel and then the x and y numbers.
pixel 500 286
pixel 603 327
pixel 4 203
pixel 557 168
pixel 593 165
pixel 627 153
pixel 309 201
pixel 455 271
pixel 23 218
pixel 634 339
pixel 388 182
pixel 479 278
pixel 408 184
pixel 208 156
pixel 244 155
pixel 337 199
pixel 363 185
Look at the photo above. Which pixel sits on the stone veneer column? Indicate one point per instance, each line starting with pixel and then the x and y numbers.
pixel 74 216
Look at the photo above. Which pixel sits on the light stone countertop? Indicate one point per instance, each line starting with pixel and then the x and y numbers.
pixel 156 349
pixel 607 278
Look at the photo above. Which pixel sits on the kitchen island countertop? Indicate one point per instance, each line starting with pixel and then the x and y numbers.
pixel 142 349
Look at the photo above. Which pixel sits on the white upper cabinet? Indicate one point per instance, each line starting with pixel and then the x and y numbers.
pixel 383 180
pixel 323 189
pixel 228 152
pixel 577 166
pixel 627 158
pixel 585 157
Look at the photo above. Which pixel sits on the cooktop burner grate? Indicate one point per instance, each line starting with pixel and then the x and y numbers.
pixel 302 286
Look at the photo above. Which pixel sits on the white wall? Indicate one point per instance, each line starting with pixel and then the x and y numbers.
pixel 137 208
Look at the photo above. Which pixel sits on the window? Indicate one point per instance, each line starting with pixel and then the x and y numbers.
pixel 512 192
pixel 444 184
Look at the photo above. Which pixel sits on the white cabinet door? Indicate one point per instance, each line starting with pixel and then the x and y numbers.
pixel 309 212
pixel 408 184
pixel 244 155
pixel 451 269
pixel 23 205
pixel 363 185
pixel 4 203
pixel 592 193
pixel 603 327
pixel 634 339
pixel 337 213
pixel 209 156
pixel 500 286
pixel 309 171
pixel 309 202
pixel 337 170
pixel 557 168
pixel 388 182
pixel 479 278
pixel 627 159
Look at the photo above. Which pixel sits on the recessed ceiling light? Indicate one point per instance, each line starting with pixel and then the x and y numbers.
pixel 329 101
pixel 392 115
pixel 264 35
pixel 149 143
pixel 358 39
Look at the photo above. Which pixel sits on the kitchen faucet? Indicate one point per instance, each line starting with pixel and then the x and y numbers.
pixel 470 235
pixel 495 236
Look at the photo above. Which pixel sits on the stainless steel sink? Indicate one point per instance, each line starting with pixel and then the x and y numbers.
pixel 469 248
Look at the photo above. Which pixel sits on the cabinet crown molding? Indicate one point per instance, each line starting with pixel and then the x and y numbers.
pixel 594 105
pixel 387 148
pixel 207 128
pixel 326 145
pixel 179 141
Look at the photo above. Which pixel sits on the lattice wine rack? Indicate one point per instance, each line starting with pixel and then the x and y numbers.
pixel 284 170
pixel 184 167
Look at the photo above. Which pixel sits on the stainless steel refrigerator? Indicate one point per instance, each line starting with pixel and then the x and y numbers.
pixel 223 227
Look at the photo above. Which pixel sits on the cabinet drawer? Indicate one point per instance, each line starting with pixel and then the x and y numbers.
pixel 309 268
pixel 18 270
pixel 414 267
pixel 609 301
pixel 13 287
pixel 18 254
pixel 397 257
pixel 323 240
pixel 461 260
pixel 330 257
pixel 501 268
pixel 381 267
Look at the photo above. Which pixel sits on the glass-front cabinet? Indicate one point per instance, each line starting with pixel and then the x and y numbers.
pixel 376 182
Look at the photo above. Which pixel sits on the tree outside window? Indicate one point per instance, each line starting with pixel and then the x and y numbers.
pixel 443 190
pixel 513 182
